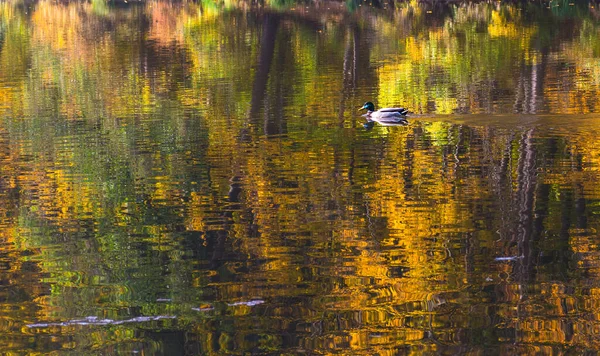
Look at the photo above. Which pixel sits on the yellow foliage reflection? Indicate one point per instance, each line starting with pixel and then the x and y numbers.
pixel 204 162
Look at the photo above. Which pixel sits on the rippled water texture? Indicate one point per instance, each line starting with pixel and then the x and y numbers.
pixel 195 179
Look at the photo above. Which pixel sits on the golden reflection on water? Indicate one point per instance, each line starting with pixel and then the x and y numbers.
pixel 185 179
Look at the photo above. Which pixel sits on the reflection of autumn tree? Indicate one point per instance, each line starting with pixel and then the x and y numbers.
pixel 528 207
pixel 14 58
pixel 483 56
pixel 160 152
pixel 267 49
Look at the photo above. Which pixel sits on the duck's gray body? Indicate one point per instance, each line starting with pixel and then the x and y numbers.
pixel 386 116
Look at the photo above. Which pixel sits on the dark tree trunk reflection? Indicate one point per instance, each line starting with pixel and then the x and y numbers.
pixel 265 57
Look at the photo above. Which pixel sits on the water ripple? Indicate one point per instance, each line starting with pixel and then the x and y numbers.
pixel 94 320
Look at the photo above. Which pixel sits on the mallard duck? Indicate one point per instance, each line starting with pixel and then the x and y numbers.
pixel 385 116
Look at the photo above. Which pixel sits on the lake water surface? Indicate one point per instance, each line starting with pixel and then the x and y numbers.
pixel 195 178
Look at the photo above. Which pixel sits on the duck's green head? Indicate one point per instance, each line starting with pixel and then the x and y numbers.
pixel 368 106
